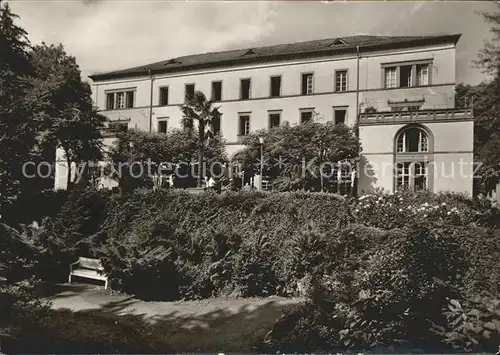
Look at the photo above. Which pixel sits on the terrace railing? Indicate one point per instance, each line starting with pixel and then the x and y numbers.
pixel 416 116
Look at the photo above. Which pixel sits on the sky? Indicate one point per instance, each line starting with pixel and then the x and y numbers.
pixel 107 35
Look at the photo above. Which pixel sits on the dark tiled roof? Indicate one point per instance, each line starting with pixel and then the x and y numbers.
pixel 279 52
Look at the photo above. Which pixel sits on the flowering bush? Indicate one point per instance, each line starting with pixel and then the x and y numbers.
pixel 397 210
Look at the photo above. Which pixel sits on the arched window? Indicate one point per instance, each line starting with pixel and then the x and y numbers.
pixel 413 140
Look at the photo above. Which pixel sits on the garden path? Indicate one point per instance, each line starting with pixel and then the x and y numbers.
pixel 226 324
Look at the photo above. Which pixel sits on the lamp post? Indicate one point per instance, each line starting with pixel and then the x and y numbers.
pixel 261 142
pixel 201 172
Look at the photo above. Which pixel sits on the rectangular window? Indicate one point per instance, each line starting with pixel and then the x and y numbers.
pixel 307 84
pixel 401 144
pixel 118 126
pixel 423 142
pixel 339 116
pixel 403 176
pixel 390 77
pixel 341 80
pixel 216 91
pixel 423 74
pixel 397 108
pixel 110 101
pixel 215 125
pixel 306 116
pixel 120 100
pixel 413 108
pixel 245 89
pixel 420 182
pixel 244 129
pixel 164 96
pixel 130 99
pixel 274 119
pixel 189 91
pixel 405 79
pixel 275 86
pixel 162 125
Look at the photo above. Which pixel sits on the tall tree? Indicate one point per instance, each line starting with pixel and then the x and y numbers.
pixel 487 109
pixel 286 149
pixel 488 59
pixel 134 150
pixel 200 110
pixel 68 119
pixel 16 127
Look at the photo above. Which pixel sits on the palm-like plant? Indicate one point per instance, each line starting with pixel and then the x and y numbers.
pixel 198 109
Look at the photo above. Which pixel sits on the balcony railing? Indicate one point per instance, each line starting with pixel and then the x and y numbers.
pixel 415 116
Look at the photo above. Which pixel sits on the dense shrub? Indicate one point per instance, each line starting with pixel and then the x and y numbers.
pixel 208 244
pixel 258 243
pixel 62 238
pixel 393 297
pixel 473 324
pixel 17 285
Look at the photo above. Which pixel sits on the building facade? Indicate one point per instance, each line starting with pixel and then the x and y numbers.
pixel 398 90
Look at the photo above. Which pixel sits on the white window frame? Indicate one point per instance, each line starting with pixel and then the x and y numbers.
pixel 420 74
pixel 341 76
pixel 423 141
pixel 421 69
pixel 408 172
pixel 116 99
pixel 421 169
pixel 247 124
pixel 403 174
pixel 309 83
pixel 120 98
pixel 390 77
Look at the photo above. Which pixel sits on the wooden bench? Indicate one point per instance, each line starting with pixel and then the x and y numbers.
pixel 88 268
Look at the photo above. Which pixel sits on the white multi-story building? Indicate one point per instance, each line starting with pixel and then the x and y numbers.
pixel 399 90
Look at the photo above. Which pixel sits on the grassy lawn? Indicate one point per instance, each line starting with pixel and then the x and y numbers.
pixel 215 325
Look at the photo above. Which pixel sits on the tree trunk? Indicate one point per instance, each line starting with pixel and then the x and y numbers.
pixel 68 176
pixel 200 166
pixel 201 138
pixel 321 178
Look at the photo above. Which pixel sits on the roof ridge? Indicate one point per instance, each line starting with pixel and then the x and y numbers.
pixel 302 47
pixel 255 48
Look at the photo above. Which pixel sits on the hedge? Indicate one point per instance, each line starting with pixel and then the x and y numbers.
pixel 173 244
